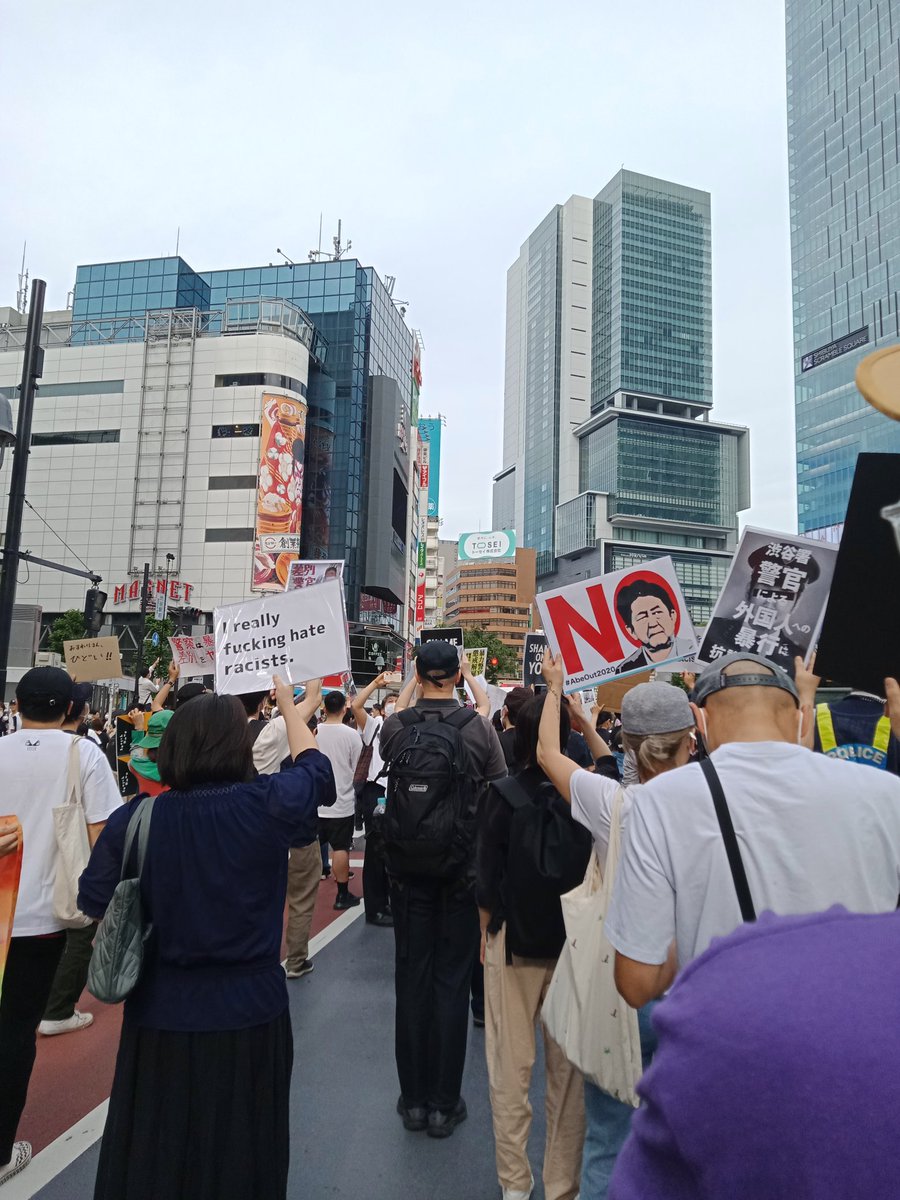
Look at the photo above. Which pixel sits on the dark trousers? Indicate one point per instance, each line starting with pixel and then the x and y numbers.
pixel 478 986
pixel 71 974
pixel 376 896
pixel 436 936
pixel 30 967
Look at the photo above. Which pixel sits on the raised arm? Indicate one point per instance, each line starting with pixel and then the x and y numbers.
pixel 159 700
pixel 361 699
pixel 299 735
pixel 482 703
pixel 807 685
pixel 407 697
pixel 587 727
pixel 556 766
pixel 312 698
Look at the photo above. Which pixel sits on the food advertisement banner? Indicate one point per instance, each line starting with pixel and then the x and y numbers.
pixel 279 496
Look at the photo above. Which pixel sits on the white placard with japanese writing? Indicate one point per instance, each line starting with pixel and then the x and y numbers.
pixel 297 635
pixel 774 598
pixel 195 656
pixel 618 623
pixel 90 659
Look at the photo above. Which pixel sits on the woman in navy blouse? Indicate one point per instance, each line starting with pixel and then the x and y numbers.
pixel 199 1104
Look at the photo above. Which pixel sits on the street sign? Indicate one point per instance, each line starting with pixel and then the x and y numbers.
pixel 155 638
pixel 160 610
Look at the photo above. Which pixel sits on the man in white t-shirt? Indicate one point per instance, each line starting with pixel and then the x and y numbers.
pixel 342 746
pixel 812 831
pixel 33 781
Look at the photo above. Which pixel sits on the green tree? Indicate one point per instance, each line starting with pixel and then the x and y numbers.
pixel 68 627
pixel 508 665
pixel 162 650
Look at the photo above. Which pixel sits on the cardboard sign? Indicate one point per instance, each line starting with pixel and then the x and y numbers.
pixel 773 600
pixel 308 572
pixel 860 641
pixel 609 695
pixel 533 660
pixel 618 624
pixel 90 659
pixel 195 656
pixel 299 635
pixel 477 656
pixel 453 636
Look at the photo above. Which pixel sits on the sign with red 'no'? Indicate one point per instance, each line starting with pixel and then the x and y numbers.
pixel 617 624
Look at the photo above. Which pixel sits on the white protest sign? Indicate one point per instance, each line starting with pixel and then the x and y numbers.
pixel 195 656
pixel 618 623
pixel 90 659
pixel 298 635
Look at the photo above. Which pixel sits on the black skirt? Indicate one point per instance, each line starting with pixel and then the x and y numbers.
pixel 199 1116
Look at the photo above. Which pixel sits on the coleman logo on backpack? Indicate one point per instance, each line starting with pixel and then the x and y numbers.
pixel 432 796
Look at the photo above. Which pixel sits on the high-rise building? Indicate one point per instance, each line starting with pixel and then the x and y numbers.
pixel 843 78
pixel 610 457
pixel 154 415
pixel 495 595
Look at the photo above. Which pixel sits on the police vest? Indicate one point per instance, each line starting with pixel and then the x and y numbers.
pixel 874 755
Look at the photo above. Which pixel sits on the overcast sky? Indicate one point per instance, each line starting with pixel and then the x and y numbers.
pixel 441 135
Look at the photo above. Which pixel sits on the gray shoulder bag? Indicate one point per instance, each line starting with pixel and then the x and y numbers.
pixel 119 945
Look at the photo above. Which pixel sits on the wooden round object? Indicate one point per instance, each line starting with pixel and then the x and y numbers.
pixel 878 379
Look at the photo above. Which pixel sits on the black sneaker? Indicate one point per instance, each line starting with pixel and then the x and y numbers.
pixel 415 1119
pixel 381 918
pixel 345 900
pixel 441 1124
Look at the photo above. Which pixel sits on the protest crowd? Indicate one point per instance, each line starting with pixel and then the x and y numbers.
pixel 689 901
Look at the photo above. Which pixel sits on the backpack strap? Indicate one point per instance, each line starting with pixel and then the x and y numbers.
pixel 460 717
pixel 729 837
pixel 512 792
pixel 410 716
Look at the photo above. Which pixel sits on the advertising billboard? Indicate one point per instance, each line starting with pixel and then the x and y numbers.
pixel 499 543
pixel 430 433
pixel 279 496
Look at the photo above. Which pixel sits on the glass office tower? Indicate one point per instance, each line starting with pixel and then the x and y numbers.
pixel 652 315
pixel 363 337
pixel 843 78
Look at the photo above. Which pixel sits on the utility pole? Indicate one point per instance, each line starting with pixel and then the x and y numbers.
pixel 32 369
pixel 145 596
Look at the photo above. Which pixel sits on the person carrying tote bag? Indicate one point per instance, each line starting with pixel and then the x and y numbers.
pixel 73 846
pixel 657 728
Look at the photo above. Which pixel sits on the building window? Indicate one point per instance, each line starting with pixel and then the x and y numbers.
pixel 232 431
pixel 88 387
pixel 236 534
pixel 74 437
pixel 229 483
pixel 260 379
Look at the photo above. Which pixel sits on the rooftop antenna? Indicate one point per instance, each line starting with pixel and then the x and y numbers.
pixel 290 262
pixel 315 255
pixel 339 250
pixel 22 293
pixel 177 240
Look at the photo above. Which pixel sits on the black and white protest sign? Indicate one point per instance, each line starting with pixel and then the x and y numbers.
pixel 773 600
pixel 298 635
pixel 860 640
pixel 453 635
pixel 618 623
pixel 533 659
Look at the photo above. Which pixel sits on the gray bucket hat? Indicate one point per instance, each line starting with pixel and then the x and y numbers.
pixel 768 674
pixel 655 708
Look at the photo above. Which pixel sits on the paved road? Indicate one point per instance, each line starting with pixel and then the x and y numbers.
pixel 347 1140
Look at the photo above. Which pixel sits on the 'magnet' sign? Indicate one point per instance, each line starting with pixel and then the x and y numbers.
pixel 177 590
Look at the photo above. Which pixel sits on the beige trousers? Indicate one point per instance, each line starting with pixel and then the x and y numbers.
pixel 513 995
pixel 304 873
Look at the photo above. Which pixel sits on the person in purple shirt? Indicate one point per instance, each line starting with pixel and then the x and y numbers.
pixel 199 1103
pixel 776 1076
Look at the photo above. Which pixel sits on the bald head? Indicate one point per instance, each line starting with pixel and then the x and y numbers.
pixel 749 709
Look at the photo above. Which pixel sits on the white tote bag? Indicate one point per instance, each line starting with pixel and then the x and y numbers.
pixel 584 1014
pixel 72 845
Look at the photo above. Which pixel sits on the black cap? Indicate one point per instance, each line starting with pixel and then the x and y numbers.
pixel 49 686
pixel 437 661
pixel 188 692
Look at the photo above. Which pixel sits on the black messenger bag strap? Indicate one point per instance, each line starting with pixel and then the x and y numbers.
pixel 729 837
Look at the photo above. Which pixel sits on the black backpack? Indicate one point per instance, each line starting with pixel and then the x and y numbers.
pixel 548 856
pixel 431 808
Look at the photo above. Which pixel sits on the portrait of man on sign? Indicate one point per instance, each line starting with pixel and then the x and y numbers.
pixel 650 619
pixel 763 622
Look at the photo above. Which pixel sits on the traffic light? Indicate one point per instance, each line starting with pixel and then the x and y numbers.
pixel 495 662
pixel 93 611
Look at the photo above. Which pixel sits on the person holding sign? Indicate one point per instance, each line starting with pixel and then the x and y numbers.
pixel 204 1063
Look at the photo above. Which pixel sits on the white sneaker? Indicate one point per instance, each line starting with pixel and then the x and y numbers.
pixel 21 1157
pixel 517 1194
pixel 78 1020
